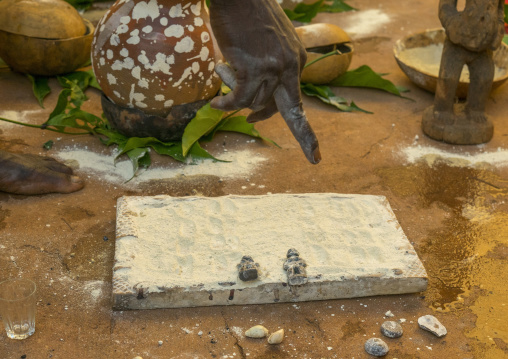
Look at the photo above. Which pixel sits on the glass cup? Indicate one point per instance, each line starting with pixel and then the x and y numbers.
pixel 17 307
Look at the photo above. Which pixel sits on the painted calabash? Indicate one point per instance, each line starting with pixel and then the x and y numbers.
pixel 156 54
pixel 320 39
pixel 43 37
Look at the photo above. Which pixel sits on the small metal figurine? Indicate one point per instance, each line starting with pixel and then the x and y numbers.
pixel 247 269
pixel 295 268
pixel 471 37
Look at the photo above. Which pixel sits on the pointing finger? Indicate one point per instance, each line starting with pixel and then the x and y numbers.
pixel 295 118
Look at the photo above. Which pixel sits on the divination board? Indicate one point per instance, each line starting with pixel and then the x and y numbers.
pixel 183 251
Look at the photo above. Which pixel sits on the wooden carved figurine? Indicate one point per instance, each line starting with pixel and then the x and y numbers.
pixel 472 36
pixel 247 269
pixel 295 268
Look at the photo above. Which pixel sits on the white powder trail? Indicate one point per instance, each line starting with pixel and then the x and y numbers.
pixel 362 23
pixel 242 164
pixel 463 159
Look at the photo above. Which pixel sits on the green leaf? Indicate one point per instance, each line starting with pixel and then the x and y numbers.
pixel 304 12
pixel 173 150
pixel 40 87
pixel 93 80
pixel 139 157
pixel 48 145
pixel 325 94
pixel 364 76
pixel 505 39
pixel 61 104
pixel 137 142
pixel 113 137
pixel 239 124
pixel 505 14
pixel 335 6
pixel 82 79
pixel 204 122
pixel 197 152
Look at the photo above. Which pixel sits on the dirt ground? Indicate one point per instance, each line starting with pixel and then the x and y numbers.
pixel 455 215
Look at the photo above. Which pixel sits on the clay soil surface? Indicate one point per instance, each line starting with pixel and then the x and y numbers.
pixel 453 210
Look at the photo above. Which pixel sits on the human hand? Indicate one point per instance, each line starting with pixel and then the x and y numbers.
pixel 266 58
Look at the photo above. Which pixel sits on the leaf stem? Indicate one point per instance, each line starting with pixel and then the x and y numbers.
pixel 40 127
pixel 232 113
pixel 334 52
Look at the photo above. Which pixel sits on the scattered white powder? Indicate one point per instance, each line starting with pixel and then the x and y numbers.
pixel 242 163
pixel 94 289
pixel 20 116
pixel 366 22
pixel 238 332
pixel 463 159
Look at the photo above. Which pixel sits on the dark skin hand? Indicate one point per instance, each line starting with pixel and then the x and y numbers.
pixel 266 58
pixel 31 174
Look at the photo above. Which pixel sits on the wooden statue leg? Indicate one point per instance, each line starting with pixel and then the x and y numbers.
pixel 481 72
pixel 452 62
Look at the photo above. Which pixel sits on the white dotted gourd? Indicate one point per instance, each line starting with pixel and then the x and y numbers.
pixel 155 54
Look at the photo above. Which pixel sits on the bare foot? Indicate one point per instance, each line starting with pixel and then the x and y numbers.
pixel 31 174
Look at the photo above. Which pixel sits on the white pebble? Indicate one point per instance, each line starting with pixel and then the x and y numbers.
pixel 257 331
pixel 431 324
pixel 277 337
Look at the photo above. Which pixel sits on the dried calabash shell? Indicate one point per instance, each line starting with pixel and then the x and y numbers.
pixel 43 37
pixel 257 331
pixel 45 57
pixel 320 39
pixel 277 337
pixel 47 19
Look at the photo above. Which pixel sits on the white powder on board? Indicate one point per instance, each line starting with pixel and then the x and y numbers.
pixel 429 154
pixel 242 164
pixel 362 23
pixel 341 237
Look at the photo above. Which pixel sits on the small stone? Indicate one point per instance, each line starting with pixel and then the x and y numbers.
pixel 160 342
pixel 391 329
pixel 277 337
pixel 430 323
pixel 257 331
pixel 376 347
pixel 389 314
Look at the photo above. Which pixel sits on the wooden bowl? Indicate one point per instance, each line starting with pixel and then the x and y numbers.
pixel 419 57
pixel 46 57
